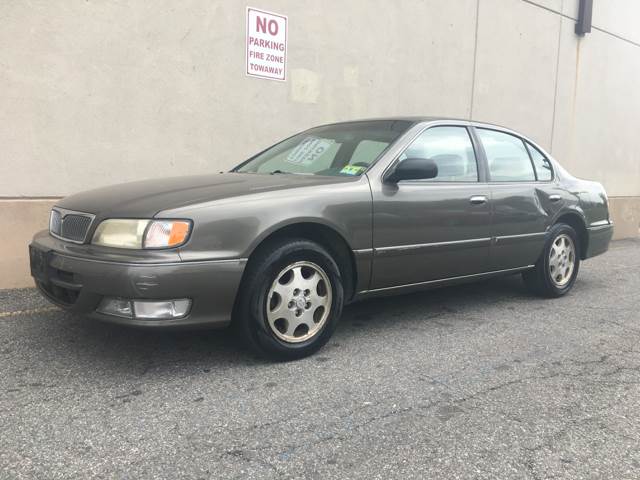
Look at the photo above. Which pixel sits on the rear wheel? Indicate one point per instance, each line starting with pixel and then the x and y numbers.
pixel 557 268
pixel 291 300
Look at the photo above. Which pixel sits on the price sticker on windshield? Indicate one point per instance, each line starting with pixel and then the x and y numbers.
pixel 309 150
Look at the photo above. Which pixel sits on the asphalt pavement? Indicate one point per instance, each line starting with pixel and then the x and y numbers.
pixel 482 381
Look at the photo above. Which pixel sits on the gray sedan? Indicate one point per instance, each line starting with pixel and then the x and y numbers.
pixel 337 213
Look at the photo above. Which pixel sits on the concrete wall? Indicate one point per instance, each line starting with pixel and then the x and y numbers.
pixel 22 218
pixel 99 92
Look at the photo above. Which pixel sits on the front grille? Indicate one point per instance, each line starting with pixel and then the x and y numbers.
pixel 74 227
pixel 68 225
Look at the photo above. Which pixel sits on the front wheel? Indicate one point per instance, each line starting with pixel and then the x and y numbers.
pixel 556 270
pixel 291 300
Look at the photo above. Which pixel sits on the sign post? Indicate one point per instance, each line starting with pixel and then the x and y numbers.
pixel 266 54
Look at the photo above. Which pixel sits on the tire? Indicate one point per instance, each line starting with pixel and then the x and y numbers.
pixel 555 273
pixel 290 300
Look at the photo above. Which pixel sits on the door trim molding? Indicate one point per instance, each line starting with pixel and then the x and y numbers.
pixel 399 249
pixel 480 242
pixel 502 238
pixel 363 252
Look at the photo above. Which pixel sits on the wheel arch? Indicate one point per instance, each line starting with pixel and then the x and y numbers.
pixel 325 235
pixel 577 221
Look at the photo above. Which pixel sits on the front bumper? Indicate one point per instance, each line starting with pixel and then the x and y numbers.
pixel 79 283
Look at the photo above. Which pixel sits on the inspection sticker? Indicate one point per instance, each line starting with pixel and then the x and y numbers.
pixel 309 150
pixel 352 170
pixel 266 52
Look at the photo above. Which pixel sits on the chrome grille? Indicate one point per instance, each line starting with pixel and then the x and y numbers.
pixel 70 225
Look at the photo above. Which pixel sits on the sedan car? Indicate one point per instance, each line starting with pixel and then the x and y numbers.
pixel 276 246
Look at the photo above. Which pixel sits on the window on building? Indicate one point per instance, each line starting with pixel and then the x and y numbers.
pixel 452 151
pixel 507 157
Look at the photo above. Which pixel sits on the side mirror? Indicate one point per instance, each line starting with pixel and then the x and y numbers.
pixel 413 169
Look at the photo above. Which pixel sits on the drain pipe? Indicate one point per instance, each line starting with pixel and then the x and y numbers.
pixel 585 11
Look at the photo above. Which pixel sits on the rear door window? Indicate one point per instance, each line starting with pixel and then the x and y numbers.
pixel 507 157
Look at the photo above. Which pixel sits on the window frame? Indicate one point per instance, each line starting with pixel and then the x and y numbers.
pixel 486 158
pixel 480 171
pixel 529 145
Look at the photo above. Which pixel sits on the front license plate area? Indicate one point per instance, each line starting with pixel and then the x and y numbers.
pixel 39 261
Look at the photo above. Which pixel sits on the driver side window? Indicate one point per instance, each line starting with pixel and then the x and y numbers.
pixel 451 150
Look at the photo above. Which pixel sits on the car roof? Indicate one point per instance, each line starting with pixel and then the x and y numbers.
pixel 417 119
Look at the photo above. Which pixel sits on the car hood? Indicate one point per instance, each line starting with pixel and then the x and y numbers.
pixel 144 199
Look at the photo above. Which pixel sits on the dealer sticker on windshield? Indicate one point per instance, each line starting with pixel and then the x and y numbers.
pixel 352 170
pixel 310 149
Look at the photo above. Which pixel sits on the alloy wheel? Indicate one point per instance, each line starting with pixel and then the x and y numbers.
pixel 562 259
pixel 299 302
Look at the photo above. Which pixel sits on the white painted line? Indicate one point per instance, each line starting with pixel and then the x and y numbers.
pixel 31 311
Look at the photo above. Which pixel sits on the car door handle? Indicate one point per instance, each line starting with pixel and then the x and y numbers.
pixel 478 200
pixel 555 198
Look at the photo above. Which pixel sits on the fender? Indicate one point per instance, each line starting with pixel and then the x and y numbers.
pixel 289 222
pixel 574 210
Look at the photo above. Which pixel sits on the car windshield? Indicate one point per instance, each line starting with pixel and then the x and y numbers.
pixel 335 150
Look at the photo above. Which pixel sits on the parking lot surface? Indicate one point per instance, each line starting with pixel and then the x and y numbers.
pixel 480 381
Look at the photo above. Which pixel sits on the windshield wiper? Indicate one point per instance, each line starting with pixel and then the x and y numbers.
pixel 277 172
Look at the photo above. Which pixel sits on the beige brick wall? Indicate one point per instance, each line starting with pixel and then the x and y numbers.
pixel 22 218
pixel 625 212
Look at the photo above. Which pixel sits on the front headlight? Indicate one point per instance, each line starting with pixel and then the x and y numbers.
pixel 137 234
